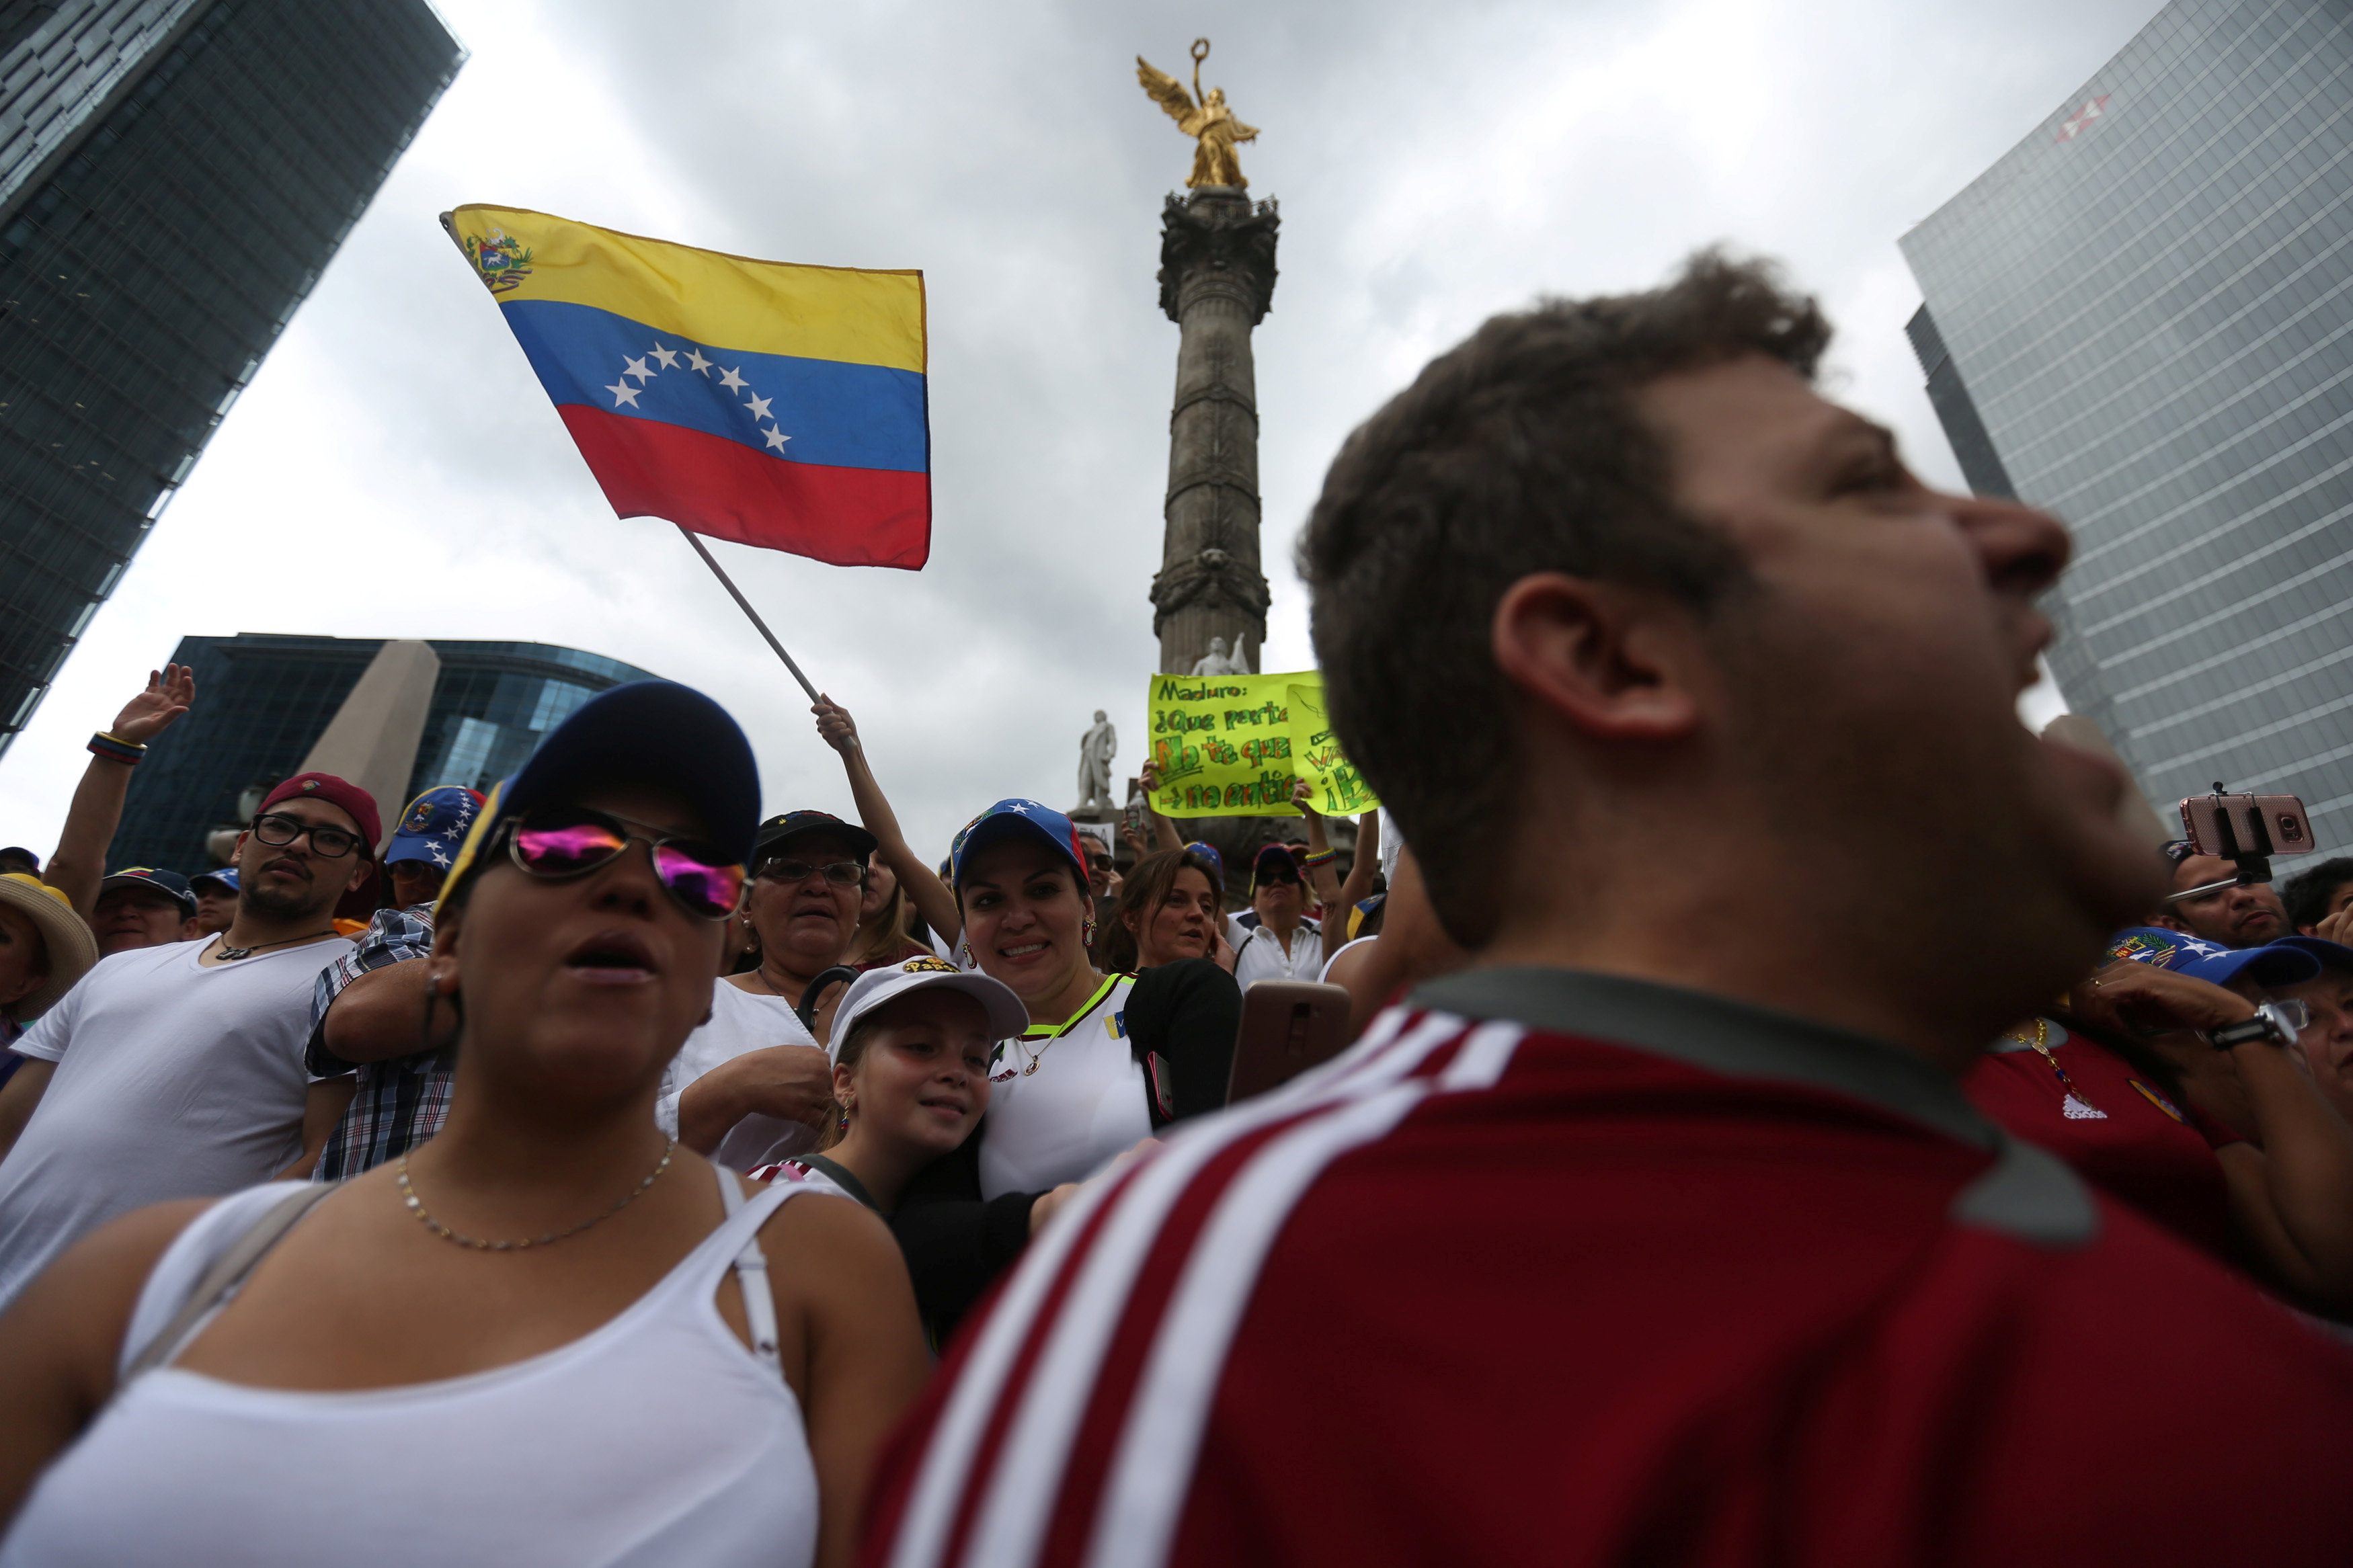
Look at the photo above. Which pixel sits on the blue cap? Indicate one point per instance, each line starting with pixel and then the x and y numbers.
pixel 171 884
pixel 1209 851
pixel 2275 963
pixel 2331 955
pixel 433 829
pixel 648 731
pixel 225 875
pixel 1018 818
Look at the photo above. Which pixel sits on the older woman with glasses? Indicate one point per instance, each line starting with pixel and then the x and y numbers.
pixel 753 1085
pixel 578 1339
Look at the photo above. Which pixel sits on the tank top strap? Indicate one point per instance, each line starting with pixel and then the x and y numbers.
pixel 746 1215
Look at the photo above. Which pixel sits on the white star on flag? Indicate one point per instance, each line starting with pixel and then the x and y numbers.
pixel 695 361
pixel 759 406
pixel 732 382
pixel 777 438
pixel 1018 810
pixel 669 357
pixel 637 367
pixel 623 392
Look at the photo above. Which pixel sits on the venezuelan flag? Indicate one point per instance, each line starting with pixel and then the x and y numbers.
pixel 774 404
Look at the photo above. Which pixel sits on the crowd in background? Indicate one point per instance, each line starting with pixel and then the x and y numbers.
pixel 617 1165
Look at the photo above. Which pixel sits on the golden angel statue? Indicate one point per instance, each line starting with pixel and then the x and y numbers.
pixel 1209 119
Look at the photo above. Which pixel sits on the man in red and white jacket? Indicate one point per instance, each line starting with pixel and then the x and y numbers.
pixel 1663 1234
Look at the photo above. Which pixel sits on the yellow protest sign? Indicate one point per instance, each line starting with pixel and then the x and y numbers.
pixel 1340 789
pixel 1230 745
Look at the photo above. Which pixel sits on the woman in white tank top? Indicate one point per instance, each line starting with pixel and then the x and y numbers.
pixel 554 1336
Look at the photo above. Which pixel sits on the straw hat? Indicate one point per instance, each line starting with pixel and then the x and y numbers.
pixel 72 949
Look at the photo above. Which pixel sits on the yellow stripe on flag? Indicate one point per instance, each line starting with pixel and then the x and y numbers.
pixel 839 314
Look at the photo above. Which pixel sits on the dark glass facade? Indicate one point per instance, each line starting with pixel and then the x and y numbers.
pixel 173 175
pixel 262 701
pixel 2146 313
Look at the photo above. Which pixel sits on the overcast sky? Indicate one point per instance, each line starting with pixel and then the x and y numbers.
pixel 395 469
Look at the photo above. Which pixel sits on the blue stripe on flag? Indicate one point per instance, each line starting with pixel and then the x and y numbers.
pixel 829 413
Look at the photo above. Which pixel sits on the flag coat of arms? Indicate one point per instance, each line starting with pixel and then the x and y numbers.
pixel 775 404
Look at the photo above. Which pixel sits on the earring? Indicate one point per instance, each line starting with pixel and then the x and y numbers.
pixel 843 1125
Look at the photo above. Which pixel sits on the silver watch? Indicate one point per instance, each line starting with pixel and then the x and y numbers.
pixel 2275 1022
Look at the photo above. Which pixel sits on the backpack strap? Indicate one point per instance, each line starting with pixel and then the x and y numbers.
pixel 221 1280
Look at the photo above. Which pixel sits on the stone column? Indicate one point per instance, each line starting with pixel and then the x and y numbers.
pixel 1217 280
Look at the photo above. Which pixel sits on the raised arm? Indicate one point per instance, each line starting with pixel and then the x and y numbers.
pixel 79 864
pixel 1359 884
pixel 1321 876
pixel 925 889
pixel 1163 832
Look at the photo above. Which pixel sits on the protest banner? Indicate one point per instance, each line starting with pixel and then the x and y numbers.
pixel 1340 789
pixel 1230 745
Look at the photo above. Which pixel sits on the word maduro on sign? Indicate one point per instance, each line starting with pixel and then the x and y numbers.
pixel 1234 746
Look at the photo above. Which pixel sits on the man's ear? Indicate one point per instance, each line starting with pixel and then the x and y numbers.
pixel 1614 661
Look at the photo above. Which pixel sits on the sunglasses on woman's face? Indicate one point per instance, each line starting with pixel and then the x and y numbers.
pixel 572 841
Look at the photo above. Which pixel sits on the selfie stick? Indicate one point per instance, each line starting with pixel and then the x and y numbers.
pixel 728 583
pixel 2254 866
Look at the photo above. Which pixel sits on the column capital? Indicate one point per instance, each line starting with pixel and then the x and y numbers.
pixel 1214 577
pixel 1216 240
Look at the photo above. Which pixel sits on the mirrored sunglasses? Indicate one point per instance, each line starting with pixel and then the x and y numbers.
pixel 572 841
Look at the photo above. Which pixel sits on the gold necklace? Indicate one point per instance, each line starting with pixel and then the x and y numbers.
pixel 2041 1046
pixel 408 1196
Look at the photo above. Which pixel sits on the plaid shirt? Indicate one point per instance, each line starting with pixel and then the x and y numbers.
pixel 400 1102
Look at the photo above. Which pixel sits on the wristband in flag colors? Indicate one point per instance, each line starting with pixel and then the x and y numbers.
pixel 113 748
pixel 779 406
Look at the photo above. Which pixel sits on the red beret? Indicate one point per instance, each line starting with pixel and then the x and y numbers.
pixel 335 791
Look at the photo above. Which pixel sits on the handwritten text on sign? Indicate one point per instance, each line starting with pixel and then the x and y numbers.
pixel 1230 745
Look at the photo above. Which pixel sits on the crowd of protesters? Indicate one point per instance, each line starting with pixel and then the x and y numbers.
pixel 1791 1116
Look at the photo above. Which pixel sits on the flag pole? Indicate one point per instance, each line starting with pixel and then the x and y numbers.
pixel 728 583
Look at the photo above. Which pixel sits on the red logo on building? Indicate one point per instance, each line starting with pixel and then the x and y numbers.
pixel 2080 121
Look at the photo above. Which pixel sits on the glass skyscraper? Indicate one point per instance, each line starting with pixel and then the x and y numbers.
pixel 174 176
pixel 2141 318
pixel 262 700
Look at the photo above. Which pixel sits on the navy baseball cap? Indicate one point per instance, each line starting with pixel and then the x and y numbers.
pixel 1283 854
pixel 2275 963
pixel 225 875
pixel 1018 818
pixel 779 831
pixel 434 827
pixel 2330 954
pixel 647 732
pixel 169 883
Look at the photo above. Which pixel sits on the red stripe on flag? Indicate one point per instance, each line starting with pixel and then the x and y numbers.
pixel 845 517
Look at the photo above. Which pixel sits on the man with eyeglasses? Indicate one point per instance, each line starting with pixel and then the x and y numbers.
pixel 176 1070
pixel 753 1084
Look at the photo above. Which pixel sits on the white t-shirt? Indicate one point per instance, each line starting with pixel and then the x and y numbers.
pixel 174 1080
pixel 1082 1105
pixel 741 1021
